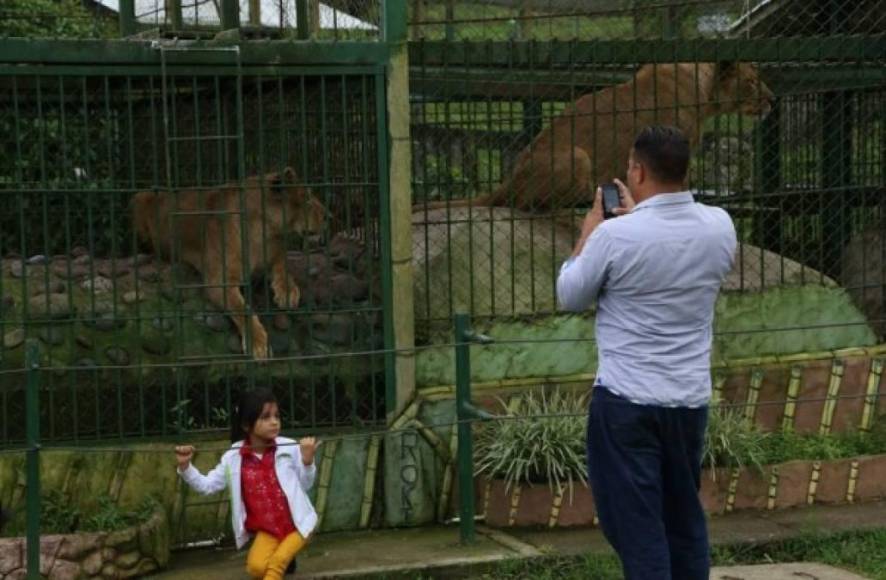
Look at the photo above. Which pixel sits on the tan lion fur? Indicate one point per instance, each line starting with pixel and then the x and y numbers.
pixel 589 142
pixel 203 228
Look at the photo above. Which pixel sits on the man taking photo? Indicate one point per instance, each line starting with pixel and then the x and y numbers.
pixel 655 271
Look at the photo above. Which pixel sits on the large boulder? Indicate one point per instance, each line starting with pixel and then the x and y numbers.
pixel 141 314
pixel 502 262
pixel 501 266
pixel 864 275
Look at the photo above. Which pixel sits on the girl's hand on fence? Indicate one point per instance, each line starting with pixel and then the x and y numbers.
pixel 308 447
pixel 183 454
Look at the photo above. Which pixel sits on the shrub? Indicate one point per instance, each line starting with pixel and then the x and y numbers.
pixel 731 440
pixel 541 440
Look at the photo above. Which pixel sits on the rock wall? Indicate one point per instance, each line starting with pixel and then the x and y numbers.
pixel 127 553
pixel 141 311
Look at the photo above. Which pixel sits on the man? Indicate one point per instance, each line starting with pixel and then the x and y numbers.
pixel 655 271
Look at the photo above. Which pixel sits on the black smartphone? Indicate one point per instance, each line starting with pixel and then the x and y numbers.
pixel 611 199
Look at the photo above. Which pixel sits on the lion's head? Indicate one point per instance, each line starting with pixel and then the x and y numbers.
pixel 300 208
pixel 741 90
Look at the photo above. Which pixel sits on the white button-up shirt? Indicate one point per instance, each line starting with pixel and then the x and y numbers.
pixel 655 274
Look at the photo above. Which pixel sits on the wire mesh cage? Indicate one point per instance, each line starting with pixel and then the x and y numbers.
pixel 640 19
pixel 782 102
pixel 165 229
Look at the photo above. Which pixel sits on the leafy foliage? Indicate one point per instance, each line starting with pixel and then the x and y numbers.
pixel 59 515
pixel 52 19
pixel 731 440
pixel 110 517
pixel 541 440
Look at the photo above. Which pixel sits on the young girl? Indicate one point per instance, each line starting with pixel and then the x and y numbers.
pixel 268 477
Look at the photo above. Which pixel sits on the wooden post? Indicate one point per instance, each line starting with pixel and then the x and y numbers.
pixel 255 12
pixel 400 172
pixel 230 14
pixel 174 13
pixel 314 16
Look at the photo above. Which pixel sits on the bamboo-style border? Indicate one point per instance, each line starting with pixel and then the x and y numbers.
pixel 555 508
pixel 448 476
pixel 830 405
pixel 853 481
pixel 515 504
pixel 325 477
pixel 369 480
pixel 775 483
pixel 756 379
pixel 870 403
pixel 814 478
pixel 443 392
pixel 790 406
pixel 750 410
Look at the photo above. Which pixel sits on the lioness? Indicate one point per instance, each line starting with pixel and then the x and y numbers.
pixel 589 141
pixel 203 228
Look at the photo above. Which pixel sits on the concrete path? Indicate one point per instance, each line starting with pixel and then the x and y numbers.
pixel 793 571
pixel 435 551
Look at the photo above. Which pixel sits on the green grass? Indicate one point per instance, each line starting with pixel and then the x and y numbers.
pixel 781 447
pixel 860 552
pixel 587 567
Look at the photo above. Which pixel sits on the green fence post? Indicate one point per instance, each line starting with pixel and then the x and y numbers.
pixel 174 14
pixel 838 196
pixel 465 412
pixel 302 26
pixel 465 438
pixel 771 228
pixel 127 17
pixel 32 427
pixel 230 14
pixel 394 21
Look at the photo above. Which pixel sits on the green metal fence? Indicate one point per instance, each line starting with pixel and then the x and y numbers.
pixel 492 115
pixel 248 155
pixel 86 128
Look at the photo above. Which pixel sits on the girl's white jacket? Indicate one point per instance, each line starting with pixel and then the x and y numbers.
pixel 294 476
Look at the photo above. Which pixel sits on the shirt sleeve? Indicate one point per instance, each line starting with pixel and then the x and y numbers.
pixel 216 480
pixel 581 277
pixel 306 474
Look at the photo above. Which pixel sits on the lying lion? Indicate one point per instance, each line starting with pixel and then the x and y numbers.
pixel 203 229
pixel 589 142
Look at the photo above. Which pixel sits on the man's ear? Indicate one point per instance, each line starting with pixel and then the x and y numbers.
pixel 641 172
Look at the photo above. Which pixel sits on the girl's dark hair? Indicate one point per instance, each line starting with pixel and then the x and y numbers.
pixel 248 410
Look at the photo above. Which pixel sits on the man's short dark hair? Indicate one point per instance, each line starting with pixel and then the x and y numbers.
pixel 664 151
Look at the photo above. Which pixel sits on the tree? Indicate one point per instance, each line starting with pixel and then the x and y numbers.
pixel 53 19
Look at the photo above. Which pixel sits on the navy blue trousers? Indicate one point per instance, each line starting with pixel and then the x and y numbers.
pixel 644 465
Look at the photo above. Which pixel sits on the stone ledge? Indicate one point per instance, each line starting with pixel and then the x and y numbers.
pixel 127 553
